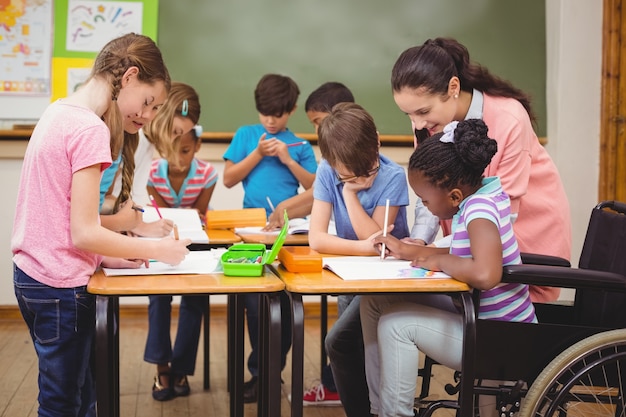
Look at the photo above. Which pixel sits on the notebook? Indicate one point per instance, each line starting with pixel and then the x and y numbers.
pixel 371 267
pixel 187 220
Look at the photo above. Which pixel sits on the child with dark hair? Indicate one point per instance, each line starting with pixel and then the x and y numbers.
pixel 321 101
pixel 271 163
pixel 317 106
pixel 446 171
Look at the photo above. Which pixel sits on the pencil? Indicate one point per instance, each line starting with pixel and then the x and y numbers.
pixel 175 232
pixel 137 208
pixel 296 144
pixel 154 204
pixel 382 249
pixel 270 203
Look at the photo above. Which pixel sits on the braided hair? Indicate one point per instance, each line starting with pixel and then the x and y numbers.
pixel 115 58
pixel 448 165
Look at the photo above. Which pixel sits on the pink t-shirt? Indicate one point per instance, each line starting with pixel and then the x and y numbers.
pixel 67 138
pixel 533 183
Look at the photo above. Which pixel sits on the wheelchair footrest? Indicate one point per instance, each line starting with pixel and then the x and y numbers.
pixel 425 408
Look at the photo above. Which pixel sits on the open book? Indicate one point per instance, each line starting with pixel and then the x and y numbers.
pixel 296 226
pixel 372 267
pixel 187 220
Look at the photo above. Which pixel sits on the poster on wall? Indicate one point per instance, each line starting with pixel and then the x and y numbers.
pixel 91 24
pixel 25 47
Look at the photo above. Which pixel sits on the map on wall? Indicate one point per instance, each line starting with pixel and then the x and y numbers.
pixel 91 24
pixel 25 46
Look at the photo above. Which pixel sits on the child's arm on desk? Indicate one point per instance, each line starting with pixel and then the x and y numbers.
pixel 297 206
pixel 323 242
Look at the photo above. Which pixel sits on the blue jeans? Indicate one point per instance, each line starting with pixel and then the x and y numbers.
pixel 61 322
pixel 251 304
pixel 182 358
pixel 344 344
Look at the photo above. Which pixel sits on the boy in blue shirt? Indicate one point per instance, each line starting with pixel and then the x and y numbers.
pixel 269 160
pixel 271 163
pixel 354 182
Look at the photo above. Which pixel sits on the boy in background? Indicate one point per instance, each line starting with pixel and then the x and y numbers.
pixel 271 163
pixel 317 106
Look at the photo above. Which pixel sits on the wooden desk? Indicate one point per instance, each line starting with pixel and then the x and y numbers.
pixel 109 289
pixel 327 283
pixel 300 239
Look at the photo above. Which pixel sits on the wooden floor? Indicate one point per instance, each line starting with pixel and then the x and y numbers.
pixel 18 374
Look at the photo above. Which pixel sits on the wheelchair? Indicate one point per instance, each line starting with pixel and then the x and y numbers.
pixel 573 362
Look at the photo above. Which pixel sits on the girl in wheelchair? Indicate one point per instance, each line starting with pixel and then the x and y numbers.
pixel 446 171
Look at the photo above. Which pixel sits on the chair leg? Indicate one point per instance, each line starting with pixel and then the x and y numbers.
pixel 207 340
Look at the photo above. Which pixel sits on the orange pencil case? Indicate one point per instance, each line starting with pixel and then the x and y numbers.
pixel 300 259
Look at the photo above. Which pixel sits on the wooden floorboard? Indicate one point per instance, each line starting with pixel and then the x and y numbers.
pixel 18 374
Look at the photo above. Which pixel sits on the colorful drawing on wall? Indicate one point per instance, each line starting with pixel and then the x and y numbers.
pixel 25 46
pixel 91 24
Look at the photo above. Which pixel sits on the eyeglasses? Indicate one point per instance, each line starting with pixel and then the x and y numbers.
pixel 368 174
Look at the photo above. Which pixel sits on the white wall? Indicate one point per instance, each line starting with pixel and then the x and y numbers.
pixel 574 44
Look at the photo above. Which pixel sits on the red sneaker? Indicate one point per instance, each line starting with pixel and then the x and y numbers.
pixel 320 396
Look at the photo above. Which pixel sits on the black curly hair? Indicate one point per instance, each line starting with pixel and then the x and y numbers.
pixel 449 165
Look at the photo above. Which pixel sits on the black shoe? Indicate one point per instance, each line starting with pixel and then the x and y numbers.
pixel 160 392
pixel 181 385
pixel 250 390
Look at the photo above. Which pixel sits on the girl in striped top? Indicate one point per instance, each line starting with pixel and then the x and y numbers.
pixel 183 180
pixel 180 180
pixel 446 171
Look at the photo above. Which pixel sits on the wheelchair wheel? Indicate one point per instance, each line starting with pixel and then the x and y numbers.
pixel 587 379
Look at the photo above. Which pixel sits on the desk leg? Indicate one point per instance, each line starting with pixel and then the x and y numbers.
pixel 270 346
pixel 466 397
pixel 235 354
pixel 107 356
pixel 297 354
pixel 323 332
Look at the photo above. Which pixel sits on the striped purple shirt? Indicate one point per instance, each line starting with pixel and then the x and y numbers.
pixel 201 175
pixel 506 301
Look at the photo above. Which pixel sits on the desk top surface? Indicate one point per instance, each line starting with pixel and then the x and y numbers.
pixel 326 282
pixel 218 283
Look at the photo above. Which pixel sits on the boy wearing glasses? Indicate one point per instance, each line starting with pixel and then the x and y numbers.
pixel 353 183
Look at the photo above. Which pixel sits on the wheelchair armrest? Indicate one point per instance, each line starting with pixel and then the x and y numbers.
pixel 557 276
pixel 537 259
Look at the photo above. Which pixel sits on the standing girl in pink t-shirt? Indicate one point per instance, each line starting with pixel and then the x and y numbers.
pixel 57 240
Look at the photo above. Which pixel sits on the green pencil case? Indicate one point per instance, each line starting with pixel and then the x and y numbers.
pixel 249 259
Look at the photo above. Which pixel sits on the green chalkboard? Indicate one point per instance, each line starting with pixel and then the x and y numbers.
pixel 223 47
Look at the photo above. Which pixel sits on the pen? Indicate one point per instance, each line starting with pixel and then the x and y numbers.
pixel 154 204
pixel 270 203
pixel 137 208
pixel 296 144
pixel 382 249
pixel 175 232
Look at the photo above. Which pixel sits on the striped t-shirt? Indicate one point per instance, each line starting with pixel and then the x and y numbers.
pixel 201 175
pixel 506 301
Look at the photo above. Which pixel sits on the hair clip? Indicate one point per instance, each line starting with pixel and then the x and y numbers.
pixel 198 130
pixel 184 111
pixel 448 132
